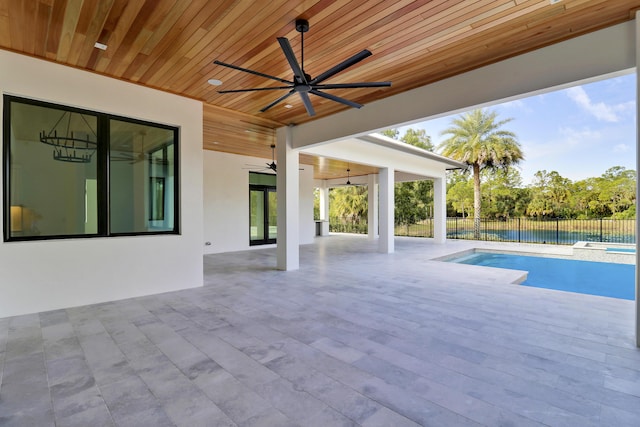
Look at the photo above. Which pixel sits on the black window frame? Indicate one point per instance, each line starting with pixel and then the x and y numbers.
pixel 265 189
pixel 102 159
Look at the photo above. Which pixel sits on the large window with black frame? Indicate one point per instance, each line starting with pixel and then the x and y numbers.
pixel 76 173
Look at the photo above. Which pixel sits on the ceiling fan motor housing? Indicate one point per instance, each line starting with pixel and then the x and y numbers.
pixel 302 25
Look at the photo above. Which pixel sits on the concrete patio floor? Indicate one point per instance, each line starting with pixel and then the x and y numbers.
pixel 352 338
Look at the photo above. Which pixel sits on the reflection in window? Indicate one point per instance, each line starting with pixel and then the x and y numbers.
pixel 48 189
pixel 56 185
pixel 141 160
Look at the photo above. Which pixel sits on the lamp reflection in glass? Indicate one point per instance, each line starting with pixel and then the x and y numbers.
pixel 23 221
pixel 17 219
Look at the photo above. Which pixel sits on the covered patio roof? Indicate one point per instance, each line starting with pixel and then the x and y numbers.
pixel 376 150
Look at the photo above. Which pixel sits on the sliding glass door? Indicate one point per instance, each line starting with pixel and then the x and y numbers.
pixel 263 214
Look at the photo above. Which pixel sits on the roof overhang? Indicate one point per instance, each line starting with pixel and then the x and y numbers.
pixel 379 151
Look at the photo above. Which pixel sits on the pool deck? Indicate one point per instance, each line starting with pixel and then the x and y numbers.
pixel 352 338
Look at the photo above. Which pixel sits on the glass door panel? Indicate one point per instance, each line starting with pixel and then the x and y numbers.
pixel 257 215
pixel 273 214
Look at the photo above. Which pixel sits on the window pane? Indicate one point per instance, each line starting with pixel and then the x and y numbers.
pixel 53 171
pixel 257 178
pixel 273 214
pixel 256 207
pixel 142 177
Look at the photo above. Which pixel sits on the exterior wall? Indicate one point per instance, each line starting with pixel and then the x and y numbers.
pixel 226 202
pixel 46 275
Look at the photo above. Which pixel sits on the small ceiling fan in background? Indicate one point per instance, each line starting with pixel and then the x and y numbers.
pixel 133 157
pixel 302 83
pixel 269 166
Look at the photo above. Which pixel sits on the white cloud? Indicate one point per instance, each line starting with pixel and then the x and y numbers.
pixel 599 110
pixel 621 148
pixel 513 104
pixel 540 150
pixel 575 136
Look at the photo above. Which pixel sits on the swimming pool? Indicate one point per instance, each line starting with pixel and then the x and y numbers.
pixel 585 277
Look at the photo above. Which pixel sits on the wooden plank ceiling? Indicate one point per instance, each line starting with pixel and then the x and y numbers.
pixel 170 45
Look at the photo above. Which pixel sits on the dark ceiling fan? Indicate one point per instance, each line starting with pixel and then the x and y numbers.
pixel 302 82
pixel 271 166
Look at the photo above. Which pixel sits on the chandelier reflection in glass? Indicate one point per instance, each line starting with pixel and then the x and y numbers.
pixel 74 146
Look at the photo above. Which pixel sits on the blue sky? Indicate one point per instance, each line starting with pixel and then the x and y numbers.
pixel 579 132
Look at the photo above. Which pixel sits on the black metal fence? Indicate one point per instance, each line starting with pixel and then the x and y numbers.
pixel 524 230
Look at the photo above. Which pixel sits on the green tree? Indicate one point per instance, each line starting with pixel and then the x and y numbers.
pixel 348 203
pixel 413 200
pixel 460 196
pixel 391 133
pixel 503 195
pixel 408 208
pixel 618 189
pixel 550 195
pixel 417 138
pixel 585 199
pixel 477 139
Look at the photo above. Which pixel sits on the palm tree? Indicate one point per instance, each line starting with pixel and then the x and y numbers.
pixel 477 140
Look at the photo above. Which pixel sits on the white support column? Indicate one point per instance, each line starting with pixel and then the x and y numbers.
pixel 637 26
pixel 288 251
pixel 386 243
pixel 372 199
pixel 324 201
pixel 439 210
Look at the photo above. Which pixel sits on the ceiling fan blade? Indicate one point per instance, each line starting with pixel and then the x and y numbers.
pixel 246 70
pixel 307 103
pixel 282 98
pixel 336 99
pixel 291 57
pixel 254 89
pixel 341 66
pixel 352 85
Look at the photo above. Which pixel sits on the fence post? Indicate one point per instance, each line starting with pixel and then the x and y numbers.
pixel 557 231
pixel 519 228
pixel 601 229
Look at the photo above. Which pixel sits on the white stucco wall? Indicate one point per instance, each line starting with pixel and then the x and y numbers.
pixel 226 202
pixel 45 275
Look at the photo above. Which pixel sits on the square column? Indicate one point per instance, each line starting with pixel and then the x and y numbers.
pixel 440 210
pixel 324 201
pixel 372 199
pixel 387 205
pixel 287 187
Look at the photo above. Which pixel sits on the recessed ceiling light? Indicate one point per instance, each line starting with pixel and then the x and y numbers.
pixel 288 106
pixel 215 82
pixel 100 46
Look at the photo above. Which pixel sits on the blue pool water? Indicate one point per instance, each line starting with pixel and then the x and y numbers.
pixel 585 277
pixel 626 250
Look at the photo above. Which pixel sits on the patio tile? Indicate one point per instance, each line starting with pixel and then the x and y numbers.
pixel 388 418
pixel 352 338
pixel 94 417
pixel 271 418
